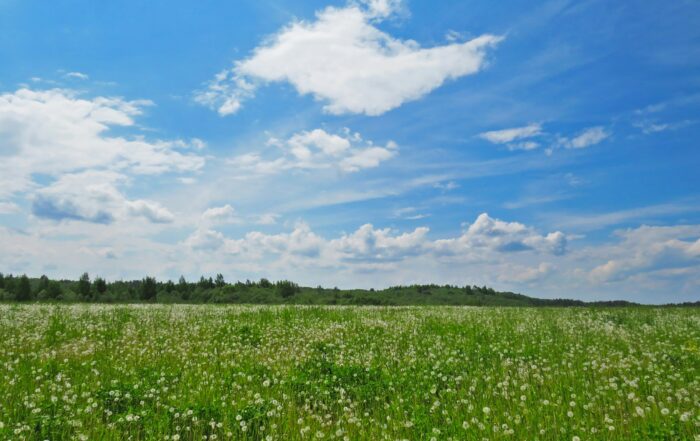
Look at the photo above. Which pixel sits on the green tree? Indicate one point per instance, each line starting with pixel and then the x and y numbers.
pixel 286 289
pixel 84 287
pixel 43 283
pixel 100 285
pixel 205 283
pixel 183 288
pixel 54 291
pixel 220 282
pixel 9 284
pixel 24 289
pixel 149 289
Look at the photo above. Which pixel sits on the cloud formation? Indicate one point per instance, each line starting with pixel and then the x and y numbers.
pixel 509 135
pixel 650 249
pixel 342 59
pixel 483 239
pixel 531 136
pixel 587 138
pixel 68 141
pixel 92 196
pixel 316 149
pixel 55 131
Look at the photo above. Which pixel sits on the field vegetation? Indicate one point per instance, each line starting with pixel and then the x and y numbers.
pixel 217 372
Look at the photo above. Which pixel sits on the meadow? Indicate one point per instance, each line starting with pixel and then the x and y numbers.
pixel 194 372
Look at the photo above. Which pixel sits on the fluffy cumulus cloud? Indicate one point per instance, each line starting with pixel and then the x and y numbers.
pixel 642 263
pixel 487 234
pixel 484 239
pixel 220 215
pixel 316 149
pixel 93 196
pixel 644 250
pixel 344 60
pixel 371 244
pixel 68 140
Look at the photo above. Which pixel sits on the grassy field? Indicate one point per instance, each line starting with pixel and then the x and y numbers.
pixel 348 373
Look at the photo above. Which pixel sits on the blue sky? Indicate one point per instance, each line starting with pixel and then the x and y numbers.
pixel 548 148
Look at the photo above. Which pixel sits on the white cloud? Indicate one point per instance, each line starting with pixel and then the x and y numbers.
pixel 649 249
pixel 204 239
pixel 587 138
pixel 77 75
pixel 525 274
pixel 594 221
pixel 226 215
pixel 649 127
pixel 382 8
pixel 300 242
pixel 317 149
pixel 485 239
pixel 93 196
pixel 267 219
pixel 8 207
pixel 333 145
pixel 220 215
pixel 370 244
pixel 344 60
pixel 53 132
pixel 509 135
pixel 520 138
pixel 490 235
pixel 446 186
pixel 409 213
pixel 525 145
pixel 150 210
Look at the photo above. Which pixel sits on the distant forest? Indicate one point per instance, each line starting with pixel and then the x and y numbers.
pixel 218 290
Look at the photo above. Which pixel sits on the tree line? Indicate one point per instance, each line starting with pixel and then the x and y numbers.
pixel 217 290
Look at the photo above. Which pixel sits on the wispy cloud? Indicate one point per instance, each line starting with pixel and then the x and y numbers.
pixel 589 222
pixel 77 75
pixel 587 138
pixel 509 135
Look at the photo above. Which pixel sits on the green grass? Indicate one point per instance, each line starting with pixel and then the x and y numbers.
pixel 348 373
